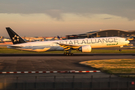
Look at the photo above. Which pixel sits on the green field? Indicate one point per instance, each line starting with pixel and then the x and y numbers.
pixel 113 66
pixel 5 50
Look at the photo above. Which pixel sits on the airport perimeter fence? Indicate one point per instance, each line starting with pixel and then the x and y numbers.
pixel 72 83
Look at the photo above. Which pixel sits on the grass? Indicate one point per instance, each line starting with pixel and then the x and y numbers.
pixel 5 50
pixel 113 66
pixel 112 51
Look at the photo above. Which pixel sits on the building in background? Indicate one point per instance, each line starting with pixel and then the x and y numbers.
pixel 103 33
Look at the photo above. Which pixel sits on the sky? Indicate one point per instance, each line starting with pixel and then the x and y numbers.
pixel 65 17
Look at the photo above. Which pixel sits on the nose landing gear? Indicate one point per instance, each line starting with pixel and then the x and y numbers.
pixel 120 48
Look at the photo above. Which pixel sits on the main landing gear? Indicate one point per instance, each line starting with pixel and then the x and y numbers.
pixel 68 53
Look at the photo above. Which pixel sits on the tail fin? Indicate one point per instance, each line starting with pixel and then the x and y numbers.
pixel 16 39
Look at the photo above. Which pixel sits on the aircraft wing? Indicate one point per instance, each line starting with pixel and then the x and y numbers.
pixel 69 46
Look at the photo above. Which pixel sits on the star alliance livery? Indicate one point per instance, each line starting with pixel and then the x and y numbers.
pixel 83 45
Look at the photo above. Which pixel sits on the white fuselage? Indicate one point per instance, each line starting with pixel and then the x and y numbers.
pixel 101 42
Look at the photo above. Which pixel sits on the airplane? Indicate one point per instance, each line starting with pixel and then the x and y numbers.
pixel 83 45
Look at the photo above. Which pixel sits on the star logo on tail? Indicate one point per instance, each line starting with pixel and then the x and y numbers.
pixel 16 38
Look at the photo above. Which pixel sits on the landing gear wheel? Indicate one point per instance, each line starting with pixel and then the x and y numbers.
pixel 120 48
pixel 65 53
pixel 68 54
pixel 71 54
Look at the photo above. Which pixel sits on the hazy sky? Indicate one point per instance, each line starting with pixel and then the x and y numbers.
pixel 63 17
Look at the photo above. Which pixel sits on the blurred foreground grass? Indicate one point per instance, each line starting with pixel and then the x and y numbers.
pixel 5 50
pixel 113 66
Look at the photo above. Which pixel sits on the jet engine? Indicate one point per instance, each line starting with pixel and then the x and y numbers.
pixel 85 48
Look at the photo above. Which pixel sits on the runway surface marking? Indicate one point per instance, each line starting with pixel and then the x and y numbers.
pixel 72 71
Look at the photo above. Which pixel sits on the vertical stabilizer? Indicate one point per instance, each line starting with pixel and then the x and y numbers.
pixel 16 39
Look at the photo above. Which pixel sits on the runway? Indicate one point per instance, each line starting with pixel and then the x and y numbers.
pixel 75 54
pixel 52 62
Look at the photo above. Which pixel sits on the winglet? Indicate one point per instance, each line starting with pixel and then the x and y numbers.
pixel 16 39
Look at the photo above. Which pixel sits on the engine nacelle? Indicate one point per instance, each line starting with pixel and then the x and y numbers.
pixel 85 48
